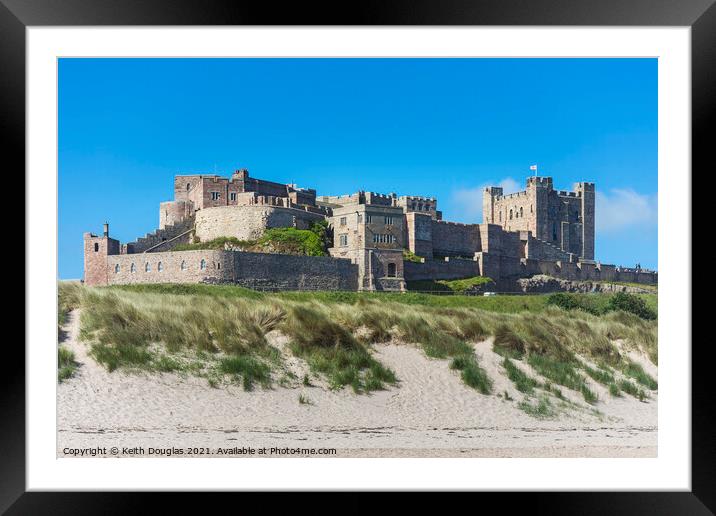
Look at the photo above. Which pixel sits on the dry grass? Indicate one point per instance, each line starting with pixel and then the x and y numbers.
pixel 133 328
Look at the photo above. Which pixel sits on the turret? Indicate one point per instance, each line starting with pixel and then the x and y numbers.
pixel 488 203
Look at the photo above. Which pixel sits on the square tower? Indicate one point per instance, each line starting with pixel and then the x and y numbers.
pixel 588 197
pixel 96 250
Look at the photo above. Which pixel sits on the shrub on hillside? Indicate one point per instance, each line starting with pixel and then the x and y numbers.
pixel 573 302
pixel 631 304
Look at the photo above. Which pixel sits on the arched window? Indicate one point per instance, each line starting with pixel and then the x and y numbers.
pixel 183 265
pixel 147 267
pixel 132 268
pixel 202 264
pixel 218 265
pixel 391 270
pixel 521 213
pixel 510 214
pixel 96 247
pixel 116 268
pixel 188 185
pixel 160 267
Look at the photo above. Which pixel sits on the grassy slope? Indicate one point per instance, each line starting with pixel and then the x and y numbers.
pixel 219 332
pixel 458 285
pixel 503 304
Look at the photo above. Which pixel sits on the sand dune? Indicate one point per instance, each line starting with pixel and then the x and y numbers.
pixel 430 413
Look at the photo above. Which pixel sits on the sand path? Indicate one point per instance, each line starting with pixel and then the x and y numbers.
pixel 430 413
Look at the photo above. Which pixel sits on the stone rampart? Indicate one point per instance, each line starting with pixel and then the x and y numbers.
pixel 253 270
pixel 455 239
pixel 454 268
pixel 249 222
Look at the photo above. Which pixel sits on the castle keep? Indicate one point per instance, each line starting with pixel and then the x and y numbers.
pixel 536 231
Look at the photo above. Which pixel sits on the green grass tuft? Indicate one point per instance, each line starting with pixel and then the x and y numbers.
pixel 542 410
pixel 636 372
pixel 523 382
pixel 66 365
pixel 249 369
pixel 632 390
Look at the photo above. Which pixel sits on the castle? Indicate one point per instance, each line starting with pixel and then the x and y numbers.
pixel 536 231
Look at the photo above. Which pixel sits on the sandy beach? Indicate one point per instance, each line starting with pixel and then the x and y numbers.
pixel 430 413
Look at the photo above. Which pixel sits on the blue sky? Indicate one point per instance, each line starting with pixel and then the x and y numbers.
pixel 434 127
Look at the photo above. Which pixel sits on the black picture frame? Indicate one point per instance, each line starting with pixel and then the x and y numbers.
pixel 700 15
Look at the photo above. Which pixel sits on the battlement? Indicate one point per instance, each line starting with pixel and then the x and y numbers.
pixel 417 198
pixel 523 193
pixel 565 193
pixel 449 223
pixel 540 181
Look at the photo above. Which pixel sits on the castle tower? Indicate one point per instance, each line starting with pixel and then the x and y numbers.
pixel 539 190
pixel 488 203
pixel 96 250
pixel 587 192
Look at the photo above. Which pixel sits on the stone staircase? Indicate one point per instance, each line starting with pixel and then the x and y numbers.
pixel 550 251
pixel 155 238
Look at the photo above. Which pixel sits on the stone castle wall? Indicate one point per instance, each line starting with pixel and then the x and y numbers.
pixel 249 222
pixel 451 268
pixel 510 268
pixel 253 270
pixel 170 267
pixel 455 239
pixel 291 272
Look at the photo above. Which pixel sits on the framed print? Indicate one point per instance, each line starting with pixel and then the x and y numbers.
pixel 418 249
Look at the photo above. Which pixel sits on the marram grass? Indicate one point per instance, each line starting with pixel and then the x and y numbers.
pixel 221 333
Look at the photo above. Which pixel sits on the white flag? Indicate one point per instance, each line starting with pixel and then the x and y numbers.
pixel 533 167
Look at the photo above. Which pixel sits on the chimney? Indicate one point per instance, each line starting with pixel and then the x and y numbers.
pixel 105 229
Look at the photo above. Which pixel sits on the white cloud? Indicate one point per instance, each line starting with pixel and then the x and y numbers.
pixel 467 202
pixel 624 208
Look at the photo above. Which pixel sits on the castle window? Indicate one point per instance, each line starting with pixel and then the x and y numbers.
pixel 96 247
pixel 218 265
pixel 147 267
pixel 215 196
pixel 160 267
pixel 188 185
pixel 388 220
pixel 132 268
pixel 183 265
pixel 499 216
pixel 532 208
pixel 369 218
pixel 232 196
pixel 202 264
pixel 521 213
pixel 554 231
pixel 343 221
pixel 510 214
pixel 391 270
pixel 343 240
pixel 116 268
